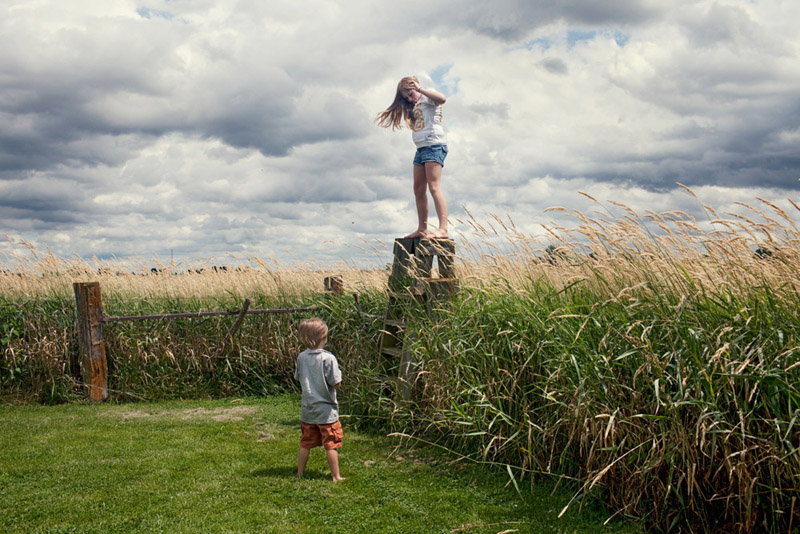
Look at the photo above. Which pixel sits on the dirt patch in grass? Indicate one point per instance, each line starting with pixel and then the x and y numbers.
pixel 136 414
pixel 237 413
pixel 265 432
pixel 218 414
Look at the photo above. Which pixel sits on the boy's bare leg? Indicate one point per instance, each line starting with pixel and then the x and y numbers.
pixel 433 176
pixel 333 462
pixel 421 199
pixel 302 459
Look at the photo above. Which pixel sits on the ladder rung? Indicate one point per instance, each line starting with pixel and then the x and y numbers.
pixel 392 351
pixel 394 322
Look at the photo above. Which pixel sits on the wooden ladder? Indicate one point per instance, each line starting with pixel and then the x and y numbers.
pixel 411 284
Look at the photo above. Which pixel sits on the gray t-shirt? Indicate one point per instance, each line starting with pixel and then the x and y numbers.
pixel 318 372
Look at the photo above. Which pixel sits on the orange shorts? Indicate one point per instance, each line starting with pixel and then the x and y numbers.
pixel 329 436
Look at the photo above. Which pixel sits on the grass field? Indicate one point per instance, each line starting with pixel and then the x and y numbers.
pixel 229 466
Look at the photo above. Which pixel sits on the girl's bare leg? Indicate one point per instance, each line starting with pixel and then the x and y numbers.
pixel 421 199
pixel 433 175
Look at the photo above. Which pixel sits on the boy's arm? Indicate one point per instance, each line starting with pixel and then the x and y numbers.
pixel 333 375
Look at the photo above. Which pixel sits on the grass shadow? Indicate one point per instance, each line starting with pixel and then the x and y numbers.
pixel 293 422
pixel 288 472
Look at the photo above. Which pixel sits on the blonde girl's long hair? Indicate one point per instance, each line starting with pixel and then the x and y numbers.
pixel 399 112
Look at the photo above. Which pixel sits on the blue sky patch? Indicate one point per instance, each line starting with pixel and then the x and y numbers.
pixel 148 13
pixel 621 38
pixel 543 42
pixel 576 36
pixel 449 88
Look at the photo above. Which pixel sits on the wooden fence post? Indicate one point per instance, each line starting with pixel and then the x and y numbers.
pixel 334 285
pixel 94 368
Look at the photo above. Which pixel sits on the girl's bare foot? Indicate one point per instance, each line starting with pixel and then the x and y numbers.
pixel 418 233
pixel 339 479
pixel 438 234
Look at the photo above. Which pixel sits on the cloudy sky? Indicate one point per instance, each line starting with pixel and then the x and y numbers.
pixel 201 128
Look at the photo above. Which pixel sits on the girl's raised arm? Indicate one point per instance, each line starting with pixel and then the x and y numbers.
pixel 437 97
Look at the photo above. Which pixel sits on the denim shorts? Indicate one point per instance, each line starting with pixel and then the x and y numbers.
pixel 435 153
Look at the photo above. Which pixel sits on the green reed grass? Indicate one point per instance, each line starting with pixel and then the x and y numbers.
pixel 689 416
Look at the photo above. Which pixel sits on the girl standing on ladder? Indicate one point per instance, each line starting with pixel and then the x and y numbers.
pixel 421 110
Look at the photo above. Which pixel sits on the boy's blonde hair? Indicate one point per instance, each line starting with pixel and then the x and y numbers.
pixel 313 332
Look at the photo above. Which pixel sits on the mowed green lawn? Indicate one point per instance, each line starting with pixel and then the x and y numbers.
pixel 229 466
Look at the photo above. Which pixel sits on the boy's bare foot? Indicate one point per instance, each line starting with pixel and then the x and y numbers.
pixel 339 479
pixel 438 234
pixel 418 233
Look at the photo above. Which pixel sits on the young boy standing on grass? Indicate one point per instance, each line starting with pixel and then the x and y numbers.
pixel 319 376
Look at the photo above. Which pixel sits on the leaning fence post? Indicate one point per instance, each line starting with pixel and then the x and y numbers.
pixel 94 368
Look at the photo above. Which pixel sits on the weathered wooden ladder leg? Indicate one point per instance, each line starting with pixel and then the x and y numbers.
pixel 94 368
pixel 411 282
pixel 392 340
